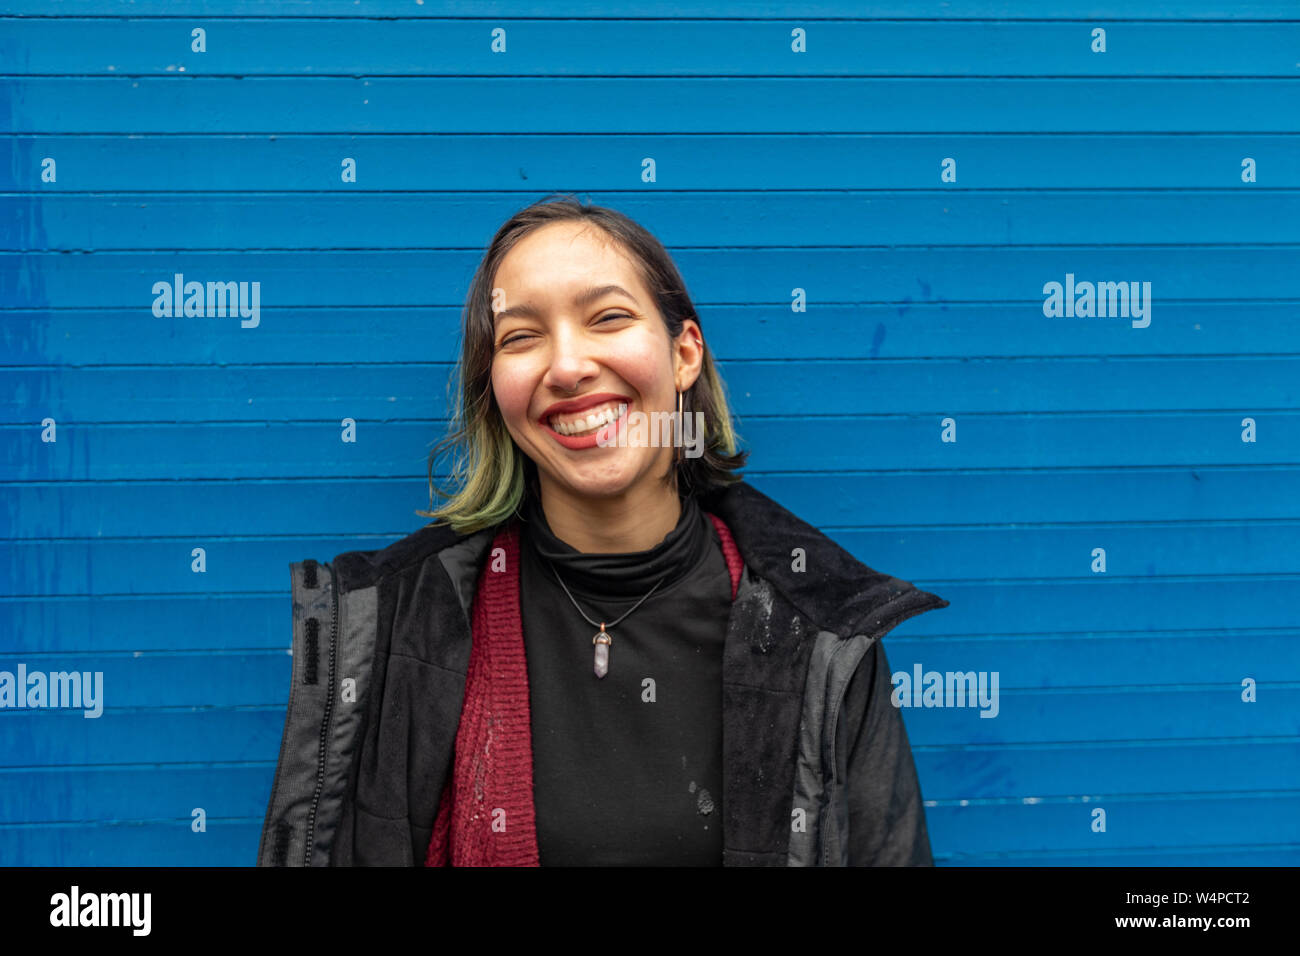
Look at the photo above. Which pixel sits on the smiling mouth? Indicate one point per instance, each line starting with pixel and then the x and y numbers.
pixel 587 422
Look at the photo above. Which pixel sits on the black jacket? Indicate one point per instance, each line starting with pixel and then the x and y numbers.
pixel 817 769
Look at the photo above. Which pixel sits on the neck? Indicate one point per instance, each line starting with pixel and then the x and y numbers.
pixel 635 521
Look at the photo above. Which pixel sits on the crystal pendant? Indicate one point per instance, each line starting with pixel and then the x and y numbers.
pixel 602 641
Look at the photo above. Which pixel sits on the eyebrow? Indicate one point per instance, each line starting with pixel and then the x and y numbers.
pixel 583 299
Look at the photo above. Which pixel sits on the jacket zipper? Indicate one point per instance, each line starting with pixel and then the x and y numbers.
pixel 325 722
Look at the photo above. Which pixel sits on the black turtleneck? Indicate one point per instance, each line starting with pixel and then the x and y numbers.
pixel 627 769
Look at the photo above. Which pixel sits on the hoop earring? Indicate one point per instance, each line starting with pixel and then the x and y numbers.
pixel 681 424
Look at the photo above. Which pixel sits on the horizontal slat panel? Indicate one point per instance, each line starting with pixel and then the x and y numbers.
pixel 1013 441
pixel 1149 157
pixel 261 619
pixel 226 842
pixel 122 336
pixel 1104 660
pixel 1132 550
pixel 847 500
pixel 659 47
pixel 611 105
pixel 1222 856
pixel 1130 824
pixel 49 737
pixel 1097 716
pixel 106 793
pixel 46 738
pixel 380 221
pixel 341 507
pixel 755 9
pixel 79 625
pixel 987 772
pixel 243 678
pixel 234 843
pixel 369 278
pixel 161 394
pixel 166 679
pixel 1136 550
pixel 1132 606
pixel 53 794
pixel 115 794
pixel 315 449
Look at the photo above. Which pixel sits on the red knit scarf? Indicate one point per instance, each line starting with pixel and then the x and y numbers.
pixel 485 813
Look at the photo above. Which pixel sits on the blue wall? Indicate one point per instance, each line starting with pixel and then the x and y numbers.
pixel 1120 689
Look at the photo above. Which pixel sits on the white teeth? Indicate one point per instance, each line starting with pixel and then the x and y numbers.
pixel 596 419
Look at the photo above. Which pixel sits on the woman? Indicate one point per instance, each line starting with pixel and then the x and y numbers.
pixel 607 649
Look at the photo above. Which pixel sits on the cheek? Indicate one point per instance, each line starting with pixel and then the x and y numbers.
pixel 511 391
pixel 645 365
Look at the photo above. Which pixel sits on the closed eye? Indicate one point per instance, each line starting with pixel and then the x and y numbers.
pixel 513 338
pixel 603 318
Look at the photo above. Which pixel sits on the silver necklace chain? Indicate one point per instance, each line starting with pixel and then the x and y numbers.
pixel 584 613
pixel 602 640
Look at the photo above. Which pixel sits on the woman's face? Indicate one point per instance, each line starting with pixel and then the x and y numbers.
pixel 567 346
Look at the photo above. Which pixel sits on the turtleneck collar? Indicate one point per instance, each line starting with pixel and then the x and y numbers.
pixel 623 575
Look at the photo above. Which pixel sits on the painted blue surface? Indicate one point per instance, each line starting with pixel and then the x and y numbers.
pixel 1119 690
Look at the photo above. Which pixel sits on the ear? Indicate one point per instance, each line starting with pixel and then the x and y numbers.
pixel 688 354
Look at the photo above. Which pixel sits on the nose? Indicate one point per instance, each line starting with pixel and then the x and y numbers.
pixel 571 361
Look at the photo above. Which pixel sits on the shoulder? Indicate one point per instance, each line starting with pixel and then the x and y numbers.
pixel 827 584
pixel 363 568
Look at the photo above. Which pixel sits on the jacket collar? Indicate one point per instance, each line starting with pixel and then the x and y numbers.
pixel 829 587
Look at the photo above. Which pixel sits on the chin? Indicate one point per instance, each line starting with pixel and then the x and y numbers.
pixel 595 486
pixel 599 481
